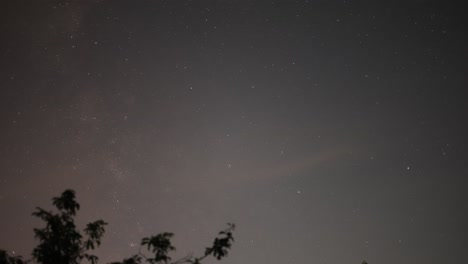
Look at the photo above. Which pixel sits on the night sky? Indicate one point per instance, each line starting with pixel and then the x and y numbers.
pixel 327 131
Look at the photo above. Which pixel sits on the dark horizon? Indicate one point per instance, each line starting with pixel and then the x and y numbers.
pixel 328 131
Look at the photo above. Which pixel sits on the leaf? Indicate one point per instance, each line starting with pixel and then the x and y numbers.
pixel 67 202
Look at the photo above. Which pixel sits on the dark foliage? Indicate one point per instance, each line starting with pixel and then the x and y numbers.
pixel 60 242
pixel 6 259
pixel 160 246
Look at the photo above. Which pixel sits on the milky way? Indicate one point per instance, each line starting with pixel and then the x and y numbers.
pixel 327 131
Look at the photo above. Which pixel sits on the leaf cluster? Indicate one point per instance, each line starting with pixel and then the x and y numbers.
pixel 6 259
pixel 160 246
pixel 60 242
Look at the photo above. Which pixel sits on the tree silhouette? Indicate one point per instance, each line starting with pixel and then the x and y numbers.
pixel 61 243
pixel 6 259
pixel 160 246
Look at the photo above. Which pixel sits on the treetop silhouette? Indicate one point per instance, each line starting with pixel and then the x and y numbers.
pixel 60 242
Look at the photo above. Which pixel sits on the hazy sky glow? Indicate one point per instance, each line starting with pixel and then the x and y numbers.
pixel 328 131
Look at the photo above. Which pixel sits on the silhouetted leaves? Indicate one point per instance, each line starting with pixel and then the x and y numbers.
pixel 91 258
pixel 6 259
pixel 160 245
pixel 67 202
pixel 61 243
pixel 95 231
pixel 221 244
pixel 135 259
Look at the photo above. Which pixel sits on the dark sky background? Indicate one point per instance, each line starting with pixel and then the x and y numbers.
pixel 328 131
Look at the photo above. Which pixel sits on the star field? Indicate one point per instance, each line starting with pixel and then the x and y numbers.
pixel 327 131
